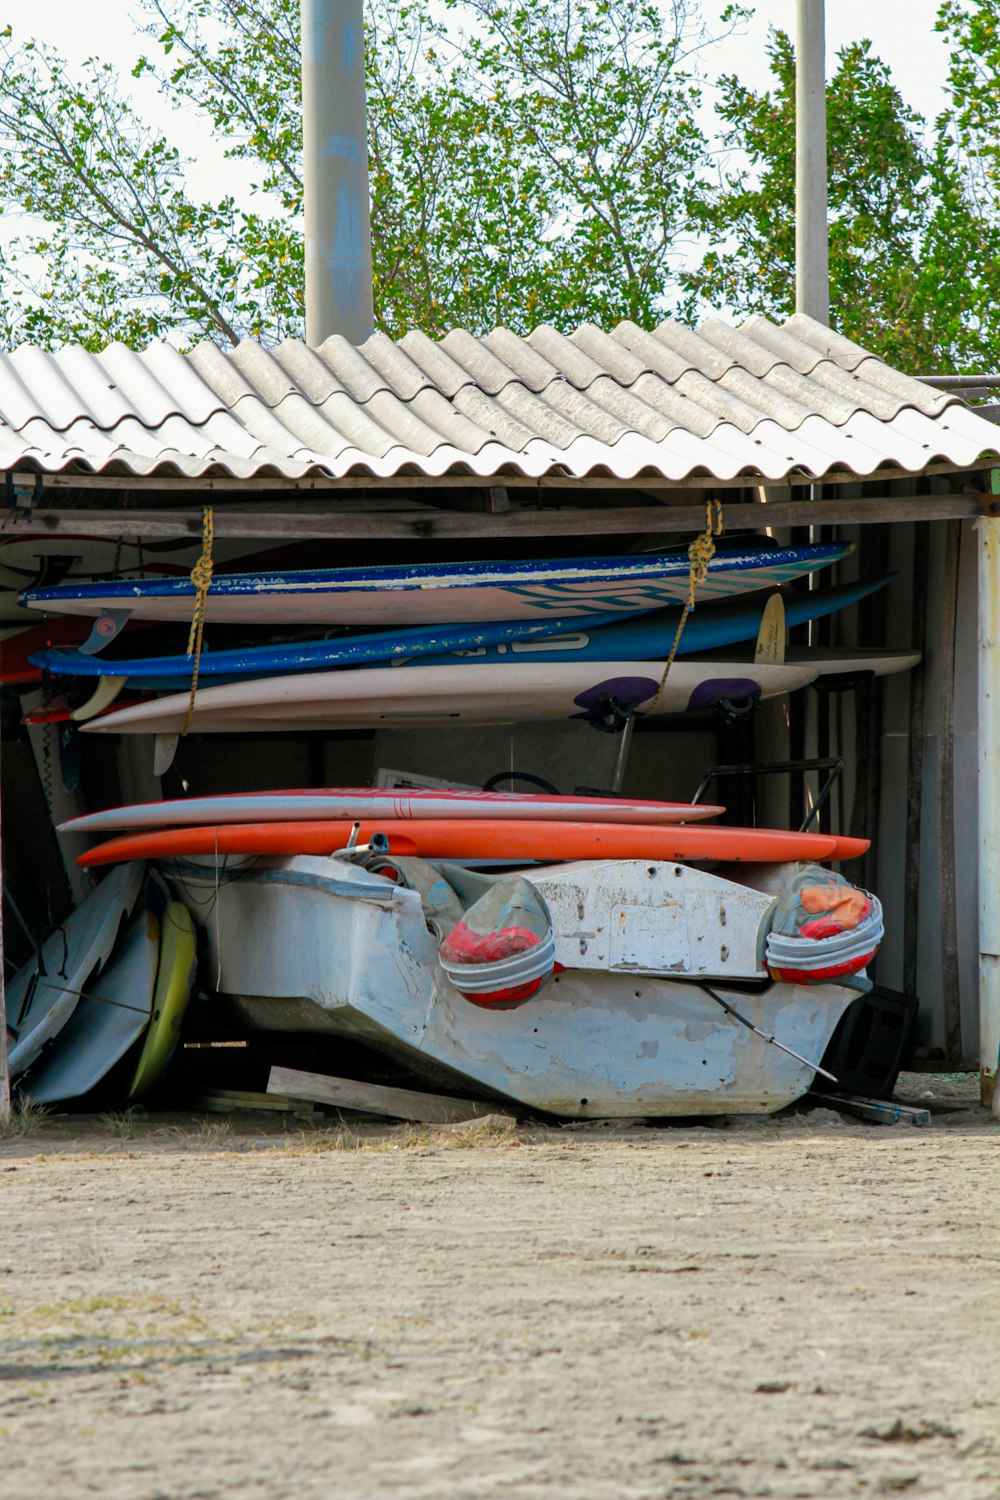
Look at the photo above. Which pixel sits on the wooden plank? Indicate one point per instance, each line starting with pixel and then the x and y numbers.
pixel 878 1111
pixel 225 1101
pixel 374 1099
pixel 427 523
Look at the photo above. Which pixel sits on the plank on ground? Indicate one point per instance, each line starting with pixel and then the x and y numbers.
pixel 375 1099
pixel 225 1101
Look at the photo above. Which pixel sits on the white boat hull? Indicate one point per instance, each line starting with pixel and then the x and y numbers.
pixel 315 945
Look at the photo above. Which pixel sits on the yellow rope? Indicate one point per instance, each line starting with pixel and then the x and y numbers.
pixel 700 554
pixel 201 577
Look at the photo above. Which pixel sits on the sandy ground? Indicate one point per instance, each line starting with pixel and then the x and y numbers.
pixel 209 1308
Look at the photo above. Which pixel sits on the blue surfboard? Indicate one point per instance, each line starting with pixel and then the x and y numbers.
pixel 440 593
pixel 650 635
pixel 345 651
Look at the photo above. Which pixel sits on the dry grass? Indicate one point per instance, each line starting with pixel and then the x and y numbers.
pixel 24 1119
pixel 496 1131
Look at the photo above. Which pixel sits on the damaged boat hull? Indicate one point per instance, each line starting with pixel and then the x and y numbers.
pixel 316 945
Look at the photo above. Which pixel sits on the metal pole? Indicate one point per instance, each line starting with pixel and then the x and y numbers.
pixel 339 295
pixel 4 1064
pixel 812 270
pixel 989 804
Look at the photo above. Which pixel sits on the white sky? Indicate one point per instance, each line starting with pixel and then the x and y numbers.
pixel 900 30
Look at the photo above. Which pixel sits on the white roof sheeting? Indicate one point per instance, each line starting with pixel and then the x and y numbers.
pixel 720 402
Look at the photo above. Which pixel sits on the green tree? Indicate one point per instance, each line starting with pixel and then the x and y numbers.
pixel 531 160
pixel 887 193
pixel 966 243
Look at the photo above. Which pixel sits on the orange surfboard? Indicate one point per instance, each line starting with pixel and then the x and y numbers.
pixel 479 838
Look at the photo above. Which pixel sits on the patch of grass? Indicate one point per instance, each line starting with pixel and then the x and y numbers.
pixel 24 1119
pixel 316 1142
pixel 213 1132
pixel 120 1123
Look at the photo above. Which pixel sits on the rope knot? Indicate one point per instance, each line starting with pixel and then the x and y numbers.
pixel 700 554
pixel 201 577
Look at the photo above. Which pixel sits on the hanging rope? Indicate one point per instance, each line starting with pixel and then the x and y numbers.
pixel 201 577
pixel 700 554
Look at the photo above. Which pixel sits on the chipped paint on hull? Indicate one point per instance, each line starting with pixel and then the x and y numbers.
pixel 346 954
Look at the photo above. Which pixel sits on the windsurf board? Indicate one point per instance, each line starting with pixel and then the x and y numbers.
pixel 838 661
pixel 45 560
pixel 175 977
pixel 599 638
pixel 112 1013
pixel 480 838
pixel 442 592
pixel 43 995
pixel 391 802
pixel 474 694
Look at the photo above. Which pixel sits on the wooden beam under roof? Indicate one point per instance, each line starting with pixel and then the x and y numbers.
pixel 269 523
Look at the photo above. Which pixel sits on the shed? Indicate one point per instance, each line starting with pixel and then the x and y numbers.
pixel 474 442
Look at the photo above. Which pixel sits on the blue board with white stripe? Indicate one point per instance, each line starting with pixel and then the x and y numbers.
pixel 440 593
pixel 647 636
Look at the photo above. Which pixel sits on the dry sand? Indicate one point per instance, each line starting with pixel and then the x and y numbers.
pixel 202 1310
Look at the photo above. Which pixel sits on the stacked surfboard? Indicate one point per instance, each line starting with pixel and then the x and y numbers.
pixel 486 643
pixel 472 827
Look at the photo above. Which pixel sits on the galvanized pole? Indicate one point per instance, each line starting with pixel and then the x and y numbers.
pixel 335 172
pixel 989 803
pixel 812 269
pixel 4 1062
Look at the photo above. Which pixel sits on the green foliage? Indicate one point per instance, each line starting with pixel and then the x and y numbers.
pixel 885 191
pixel 531 160
pixel 914 208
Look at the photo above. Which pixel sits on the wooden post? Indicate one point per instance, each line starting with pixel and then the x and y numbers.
pixel 915 760
pixel 953 1043
pixel 989 804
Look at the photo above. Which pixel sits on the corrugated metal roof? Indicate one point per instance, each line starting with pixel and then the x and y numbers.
pixel 759 400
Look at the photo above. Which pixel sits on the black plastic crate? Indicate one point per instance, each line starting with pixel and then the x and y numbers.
pixel 867 1049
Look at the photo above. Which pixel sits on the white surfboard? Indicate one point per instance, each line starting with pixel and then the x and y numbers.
pixel 380 697
pixel 384 802
pixel 841 661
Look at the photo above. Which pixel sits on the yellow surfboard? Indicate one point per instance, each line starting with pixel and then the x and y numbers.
pixel 174 982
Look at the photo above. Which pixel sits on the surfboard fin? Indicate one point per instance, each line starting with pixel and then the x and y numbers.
pixel 164 751
pixel 106 692
pixel 770 647
pixel 107 625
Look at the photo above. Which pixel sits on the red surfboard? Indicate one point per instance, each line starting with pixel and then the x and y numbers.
pixel 477 838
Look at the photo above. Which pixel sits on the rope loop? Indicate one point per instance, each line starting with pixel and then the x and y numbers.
pixel 700 554
pixel 201 577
